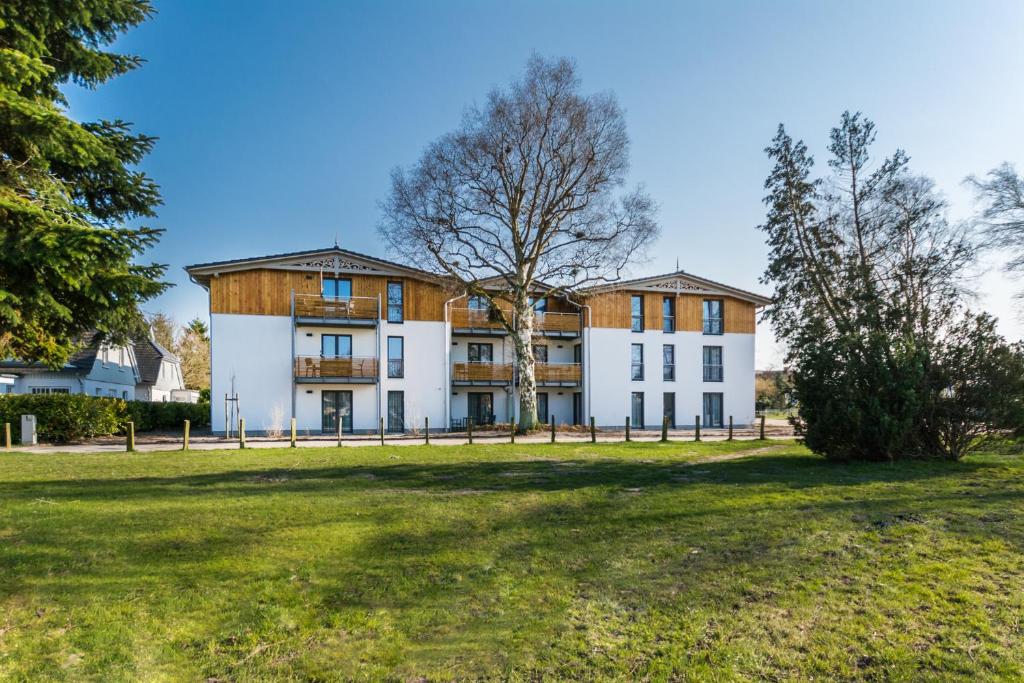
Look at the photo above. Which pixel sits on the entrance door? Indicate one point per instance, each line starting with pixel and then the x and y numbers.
pixel 713 410
pixel 542 408
pixel 333 404
pixel 638 410
pixel 396 411
pixel 670 408
pixel 481 408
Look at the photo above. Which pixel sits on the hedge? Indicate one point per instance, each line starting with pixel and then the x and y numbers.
pixel 61 418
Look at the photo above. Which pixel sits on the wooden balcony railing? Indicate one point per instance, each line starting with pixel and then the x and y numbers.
pixel 556 322
pixel 557 372
pixel 339 308
pixel 348 367
pixel 477 318
pixel 481 372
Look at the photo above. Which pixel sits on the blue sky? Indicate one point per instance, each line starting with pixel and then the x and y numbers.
pixel 280 122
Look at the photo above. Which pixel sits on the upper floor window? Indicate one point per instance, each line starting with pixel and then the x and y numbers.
pixel 540 305
pixel 395 302
pixel 713 316
pixel 336 345
pixel 478 303
pixel 668 356
pixel 540 353
pixel 480 352
pixel 668 314
pixel 396 357
pixel 637 362
pixel 337 288
pixel 713 364
pixel 636 308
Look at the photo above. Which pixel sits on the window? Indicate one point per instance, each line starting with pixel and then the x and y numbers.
pixel 396 357
pixel 712 363
pixel 335 405
pixel 478 303
pixel 637 403
pixel 636 307
pixel 637 368
pixel 542 408
pixel 336 345
pixel 337 288
pixel 668 358
pixel 540 353
pixel 112 393
pixel 539 305
pixel 712 410
pixel 395 302
pixel 396 411
pixel 99 392
pixel 669 402
pixel 50 390
pixel 712 316
pixel 481 353
pixel 668 314
pixel 481 408
pixel 577 353
pixel 577 408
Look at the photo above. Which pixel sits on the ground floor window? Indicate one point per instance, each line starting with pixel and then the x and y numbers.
pixel 396 411
pixel 670 408
pixel 542 408
pixel 577 407
pixel 637 417
pixel 52 390
pixel 481 408
pixel 713 410
pixel 335 405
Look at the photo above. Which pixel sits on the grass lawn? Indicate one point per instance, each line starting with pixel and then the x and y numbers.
pixel 631 561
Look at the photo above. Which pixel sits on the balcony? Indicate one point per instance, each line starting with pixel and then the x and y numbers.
pixel 557 374
pixel 349 311
pixel 344 370
pixel 481 373
pixel 478 322
pixel 556 324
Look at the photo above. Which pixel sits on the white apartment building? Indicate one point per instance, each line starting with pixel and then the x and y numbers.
pixel 337 339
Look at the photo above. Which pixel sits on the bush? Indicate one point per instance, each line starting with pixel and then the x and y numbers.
pixel 62 418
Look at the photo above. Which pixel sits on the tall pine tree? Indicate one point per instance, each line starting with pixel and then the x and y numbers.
pixel 68 189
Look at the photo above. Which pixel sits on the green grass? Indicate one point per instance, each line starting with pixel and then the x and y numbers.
pixel 634 561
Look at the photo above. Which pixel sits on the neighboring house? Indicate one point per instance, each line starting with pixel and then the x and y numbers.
pixel 97 369
pixel 160 376
pixel 335 338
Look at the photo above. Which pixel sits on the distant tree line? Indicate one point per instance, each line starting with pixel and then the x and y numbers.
pixel 888 357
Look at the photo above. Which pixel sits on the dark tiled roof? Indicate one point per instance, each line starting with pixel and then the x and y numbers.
pixel 82 359
pixel 148 355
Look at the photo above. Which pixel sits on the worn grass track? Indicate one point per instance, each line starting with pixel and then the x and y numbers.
pixel 630 561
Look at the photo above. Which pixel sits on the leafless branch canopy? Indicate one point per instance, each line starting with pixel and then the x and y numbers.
pixel 527 192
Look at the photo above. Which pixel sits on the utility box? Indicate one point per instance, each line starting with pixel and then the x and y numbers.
pixel 28 430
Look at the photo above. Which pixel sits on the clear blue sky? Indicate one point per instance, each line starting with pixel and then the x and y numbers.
pixel 279 122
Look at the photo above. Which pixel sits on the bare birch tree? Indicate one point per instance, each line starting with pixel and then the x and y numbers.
pixel 526 197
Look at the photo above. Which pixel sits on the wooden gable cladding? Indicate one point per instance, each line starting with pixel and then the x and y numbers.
pixel 268 292
pixel 613 310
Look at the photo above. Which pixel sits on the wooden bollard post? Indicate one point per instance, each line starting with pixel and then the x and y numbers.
pixel 184 436
pixel 469 429
pixel 241 432
pixel 7 436
pixel 627 428
pixel 382 431
pixel 593 430
pixel 762 426
pixel 338 418
pixel 552 419
pixel 696 432
pixel 291 427
pixel 130 445
pixel 730 428
pixel 426 429
pixel 664 428
pixel 512 431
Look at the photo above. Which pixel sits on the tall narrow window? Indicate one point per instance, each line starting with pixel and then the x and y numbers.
pixel 396 357
pixel 668 314
pixel 637 402
pixel 712 316
pixel 637 362
pixel 396 411
pixel 540 353
pixel 337 288
pixel 636 308
pixel 542 408
pixel 670 408
pixel 713 410
pixel 668 357
pixel 713 364
pixel 396 306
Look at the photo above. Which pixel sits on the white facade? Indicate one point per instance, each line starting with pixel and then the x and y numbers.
pixel 108 371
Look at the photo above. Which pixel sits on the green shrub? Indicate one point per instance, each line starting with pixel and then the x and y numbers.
pixel 62 418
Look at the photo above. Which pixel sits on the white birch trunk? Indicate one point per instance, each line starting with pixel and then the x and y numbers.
pixel 524 364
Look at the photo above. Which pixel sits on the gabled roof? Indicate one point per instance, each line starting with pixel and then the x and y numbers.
pixel 680 282
pixel 327 260
pixel 149 354
pixel 82 359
